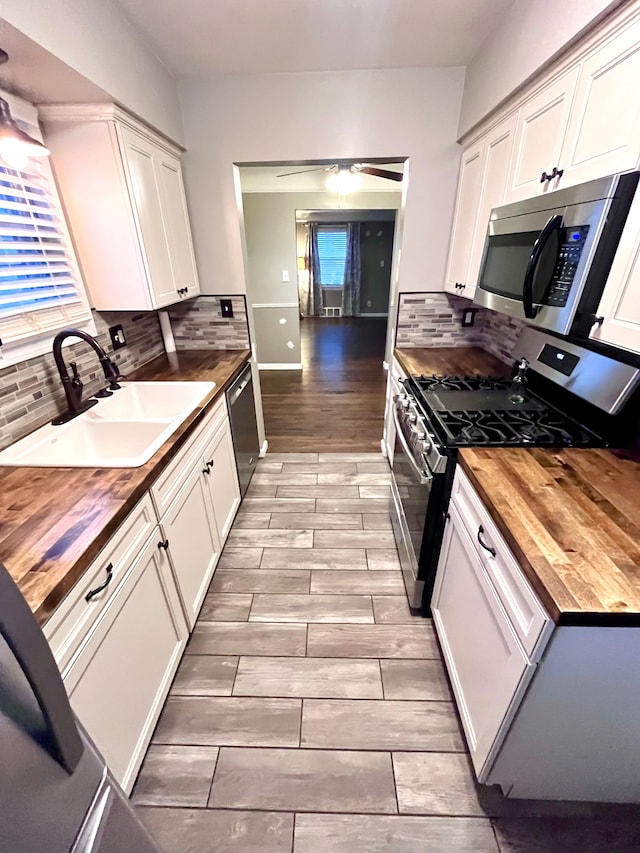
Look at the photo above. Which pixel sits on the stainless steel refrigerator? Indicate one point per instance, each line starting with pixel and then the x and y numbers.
pixel 56 793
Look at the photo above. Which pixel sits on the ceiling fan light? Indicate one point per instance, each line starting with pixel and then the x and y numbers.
pixel 343 181
pixel 16 146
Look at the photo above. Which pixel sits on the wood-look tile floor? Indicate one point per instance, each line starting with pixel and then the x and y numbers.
pixel 311 712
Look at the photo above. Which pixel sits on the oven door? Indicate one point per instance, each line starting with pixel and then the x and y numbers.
pixel 411 488
pixel 535 265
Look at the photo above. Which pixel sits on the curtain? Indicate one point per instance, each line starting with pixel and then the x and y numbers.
pixel 352 273
pixel 309 287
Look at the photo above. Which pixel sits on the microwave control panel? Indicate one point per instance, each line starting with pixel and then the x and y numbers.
pixel 564 271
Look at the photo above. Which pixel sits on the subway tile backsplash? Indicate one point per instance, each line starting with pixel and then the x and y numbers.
pixel 31 392
pixel 199 324
pixel 435 320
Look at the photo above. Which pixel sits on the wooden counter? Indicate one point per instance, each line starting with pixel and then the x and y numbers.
pixel 55 521
pixel 572 519
pixel 450 361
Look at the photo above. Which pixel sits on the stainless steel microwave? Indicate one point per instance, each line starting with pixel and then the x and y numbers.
pixel 546 259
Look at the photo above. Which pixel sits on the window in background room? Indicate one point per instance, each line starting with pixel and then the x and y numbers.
pixel 41 291
pixel 332 254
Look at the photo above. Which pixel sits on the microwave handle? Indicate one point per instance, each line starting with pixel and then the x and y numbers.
pixel 554 223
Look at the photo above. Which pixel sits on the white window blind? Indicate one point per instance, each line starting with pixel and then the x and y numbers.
pixel 40 287
pixel 332 255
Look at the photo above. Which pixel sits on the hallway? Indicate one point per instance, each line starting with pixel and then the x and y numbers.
pixel 336 403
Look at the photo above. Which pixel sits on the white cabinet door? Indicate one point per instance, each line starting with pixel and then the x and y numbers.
pixel 487 667
pixel 542 124
pixel 465 217
pixel 222 480
pixel 189 528
pixel 620 303
pixel 176 221
pixel 141 171
pixel 119 678
pixel 603 136
pixel 498 147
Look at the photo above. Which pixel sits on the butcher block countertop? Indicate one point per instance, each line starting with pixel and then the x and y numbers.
pixel 572 519
pixel 55 521
pixel 450 361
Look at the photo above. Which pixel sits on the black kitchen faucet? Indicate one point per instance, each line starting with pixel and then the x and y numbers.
pixel 73 384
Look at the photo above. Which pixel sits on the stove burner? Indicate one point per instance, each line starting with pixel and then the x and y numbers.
pixel 462 383
pixel 511 428
pixel 462 418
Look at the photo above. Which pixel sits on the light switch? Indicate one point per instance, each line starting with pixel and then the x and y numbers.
pixel 285 275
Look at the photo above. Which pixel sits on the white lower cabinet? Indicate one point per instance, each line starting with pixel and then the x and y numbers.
pixel 119 677
pixel 190 538
pixel 120 633
pixel 486 664
pixel 222 479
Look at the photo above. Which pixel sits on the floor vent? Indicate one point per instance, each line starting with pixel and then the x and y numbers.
pixel 333 312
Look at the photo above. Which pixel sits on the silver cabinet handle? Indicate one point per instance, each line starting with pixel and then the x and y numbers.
pixel 423 476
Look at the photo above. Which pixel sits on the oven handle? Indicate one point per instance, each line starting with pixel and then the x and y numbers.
pixel 554 223
pixel 423 476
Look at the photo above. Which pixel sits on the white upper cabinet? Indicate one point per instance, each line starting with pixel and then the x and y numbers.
pixel 465 216
pixel 499 143
pixel 176 222
pixel 142 176
pixel 122 188
pixel 540 133
pixel 620 304
pixel 481 187
pixel 603 135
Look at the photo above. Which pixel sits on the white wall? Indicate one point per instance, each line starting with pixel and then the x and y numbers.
pixel 529 35
pixel 96 39
pixel 357 114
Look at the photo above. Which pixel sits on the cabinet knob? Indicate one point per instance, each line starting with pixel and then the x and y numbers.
pixel 544 177
pixel 597 320
pixel 164 545
pixel 206 469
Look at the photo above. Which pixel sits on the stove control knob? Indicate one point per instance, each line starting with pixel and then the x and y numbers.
pixel 426 445
pixel 413 419
pixel 404 400
pixel 422 436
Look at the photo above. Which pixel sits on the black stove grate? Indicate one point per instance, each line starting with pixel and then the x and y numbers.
pixel 532 424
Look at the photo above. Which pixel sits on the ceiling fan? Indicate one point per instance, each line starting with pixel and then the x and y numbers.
pixel 354 169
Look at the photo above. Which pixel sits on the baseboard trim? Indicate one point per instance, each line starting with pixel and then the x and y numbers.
pixel 290 366
pixel 369 314
pixel 264 448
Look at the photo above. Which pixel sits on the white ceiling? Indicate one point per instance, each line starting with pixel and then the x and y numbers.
pixel 201 37
pixel 265 179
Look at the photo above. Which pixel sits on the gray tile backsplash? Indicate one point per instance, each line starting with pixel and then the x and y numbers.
pixel 435 320
pixel 31 393
pixel 199 324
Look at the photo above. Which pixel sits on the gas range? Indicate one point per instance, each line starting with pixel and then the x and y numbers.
pixel 562 395
pixel 470 411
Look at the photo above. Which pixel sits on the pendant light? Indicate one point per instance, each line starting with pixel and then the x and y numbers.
pixel 16 146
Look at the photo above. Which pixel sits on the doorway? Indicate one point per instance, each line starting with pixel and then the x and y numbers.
pixel 320 361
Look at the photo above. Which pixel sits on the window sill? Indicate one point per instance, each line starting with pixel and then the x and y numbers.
pixel 20 351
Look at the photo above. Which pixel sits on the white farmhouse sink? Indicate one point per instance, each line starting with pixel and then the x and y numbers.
pixel 123 431
pixel 152 400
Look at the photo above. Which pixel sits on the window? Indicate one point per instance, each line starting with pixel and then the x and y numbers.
pixel 332 255
pixel 41 290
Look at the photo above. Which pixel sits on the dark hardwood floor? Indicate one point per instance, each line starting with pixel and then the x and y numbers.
pixel 336 403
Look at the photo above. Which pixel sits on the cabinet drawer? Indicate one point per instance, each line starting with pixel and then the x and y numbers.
pixel 76 617
pixel 527 615
pixel 174 476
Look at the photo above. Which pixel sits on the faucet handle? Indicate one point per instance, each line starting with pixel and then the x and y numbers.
pixel 76 376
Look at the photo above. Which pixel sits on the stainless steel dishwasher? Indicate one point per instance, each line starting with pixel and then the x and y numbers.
pixel 244 427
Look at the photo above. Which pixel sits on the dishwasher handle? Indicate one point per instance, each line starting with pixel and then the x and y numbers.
pixel 239 385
